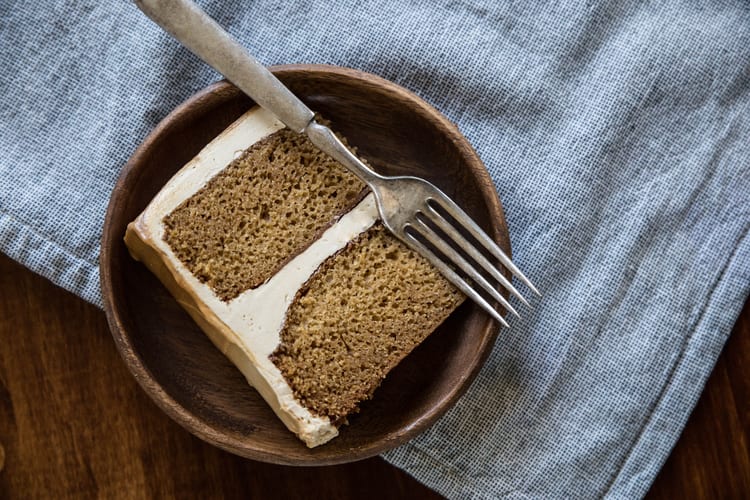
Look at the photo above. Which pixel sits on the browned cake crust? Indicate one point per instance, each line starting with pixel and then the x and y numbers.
pixel 259 212
pixel 363 311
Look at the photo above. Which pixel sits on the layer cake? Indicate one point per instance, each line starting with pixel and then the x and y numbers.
pixel 277 252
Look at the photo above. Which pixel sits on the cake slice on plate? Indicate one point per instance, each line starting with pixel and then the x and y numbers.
pixel 276 251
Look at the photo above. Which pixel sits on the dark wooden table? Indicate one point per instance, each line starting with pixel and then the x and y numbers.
pixel 73 423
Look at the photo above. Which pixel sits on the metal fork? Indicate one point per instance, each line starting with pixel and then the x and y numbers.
pixel 410 207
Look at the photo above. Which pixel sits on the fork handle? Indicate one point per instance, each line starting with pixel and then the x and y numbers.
pixel 192 27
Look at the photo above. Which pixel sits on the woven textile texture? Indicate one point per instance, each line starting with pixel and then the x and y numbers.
pixel 617 134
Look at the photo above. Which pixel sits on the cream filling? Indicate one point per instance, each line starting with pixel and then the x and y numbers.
pixel 253 320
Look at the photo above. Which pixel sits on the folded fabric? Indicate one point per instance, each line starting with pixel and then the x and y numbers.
pixel 618 136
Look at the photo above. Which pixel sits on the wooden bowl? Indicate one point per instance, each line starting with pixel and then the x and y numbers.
pixel 190 379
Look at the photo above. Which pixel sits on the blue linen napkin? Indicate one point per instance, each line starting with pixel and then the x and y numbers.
pixel 617 134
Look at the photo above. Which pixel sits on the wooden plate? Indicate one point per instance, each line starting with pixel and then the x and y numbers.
pixel 190 379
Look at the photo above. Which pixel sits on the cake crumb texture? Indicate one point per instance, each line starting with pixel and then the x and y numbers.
pixel 363 311
pixel 259 212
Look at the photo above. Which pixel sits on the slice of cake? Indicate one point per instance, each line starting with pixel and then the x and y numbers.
pixel 276 251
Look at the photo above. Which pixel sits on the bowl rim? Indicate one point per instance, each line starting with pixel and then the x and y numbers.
pixel 204 430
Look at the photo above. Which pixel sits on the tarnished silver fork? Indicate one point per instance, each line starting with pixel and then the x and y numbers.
pixel 410 207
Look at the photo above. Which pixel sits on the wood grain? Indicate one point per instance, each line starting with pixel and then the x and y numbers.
pixel 190 379
pixel 74 423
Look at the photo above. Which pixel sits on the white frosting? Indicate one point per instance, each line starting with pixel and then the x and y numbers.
pixel 254 319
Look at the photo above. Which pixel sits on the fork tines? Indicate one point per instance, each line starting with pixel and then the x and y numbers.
pixel 440 225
